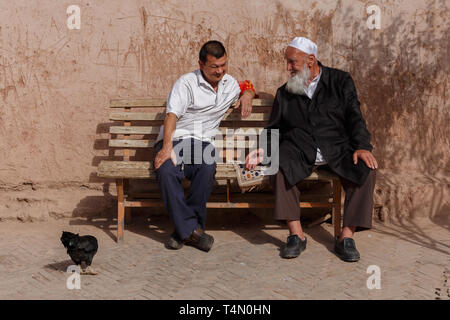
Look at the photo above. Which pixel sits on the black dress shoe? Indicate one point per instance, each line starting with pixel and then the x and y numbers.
pixel 294 246
pixel 174 242
pixel 200 240
pixel 346 250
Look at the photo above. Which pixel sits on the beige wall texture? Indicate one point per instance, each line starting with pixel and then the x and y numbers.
pixel 55 86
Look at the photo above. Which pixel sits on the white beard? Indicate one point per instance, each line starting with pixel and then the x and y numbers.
pixel 297 84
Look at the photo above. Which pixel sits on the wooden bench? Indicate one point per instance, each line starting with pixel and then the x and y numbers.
pixel 138 122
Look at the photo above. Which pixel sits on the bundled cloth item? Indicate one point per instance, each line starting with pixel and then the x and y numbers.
pixel 247 85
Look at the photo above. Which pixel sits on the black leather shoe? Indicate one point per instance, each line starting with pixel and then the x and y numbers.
pixel 294 246
pixel 174 242
pixel 346 250
pixel 200 240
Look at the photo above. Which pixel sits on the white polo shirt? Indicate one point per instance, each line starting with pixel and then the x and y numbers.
pixel 198 106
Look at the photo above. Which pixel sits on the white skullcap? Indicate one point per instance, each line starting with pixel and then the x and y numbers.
pixel 304 45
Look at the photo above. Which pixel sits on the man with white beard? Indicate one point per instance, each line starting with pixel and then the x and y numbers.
pixel 318 116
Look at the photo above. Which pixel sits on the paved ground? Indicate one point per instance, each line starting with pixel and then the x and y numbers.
pixel 413 259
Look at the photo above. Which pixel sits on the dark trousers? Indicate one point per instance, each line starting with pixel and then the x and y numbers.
pixel 358 206
pixel 186 213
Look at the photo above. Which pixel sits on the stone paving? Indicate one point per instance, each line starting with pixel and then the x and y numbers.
pixel 413 259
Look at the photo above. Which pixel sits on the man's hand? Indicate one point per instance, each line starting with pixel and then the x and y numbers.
pixel 254 158
pixel 163 155
pixel 245 102
pixel 365 156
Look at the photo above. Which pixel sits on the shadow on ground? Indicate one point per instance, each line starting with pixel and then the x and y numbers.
pixel 416 233
pixel 254 227
pixel 59 266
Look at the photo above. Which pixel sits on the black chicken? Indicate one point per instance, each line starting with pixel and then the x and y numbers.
pixel 81 250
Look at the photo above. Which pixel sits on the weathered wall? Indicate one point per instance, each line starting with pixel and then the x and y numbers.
pixel 55 85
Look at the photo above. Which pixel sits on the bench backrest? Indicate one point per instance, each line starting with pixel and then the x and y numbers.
pixel 137 124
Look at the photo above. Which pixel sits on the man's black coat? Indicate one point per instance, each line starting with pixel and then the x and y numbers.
pixel 331 120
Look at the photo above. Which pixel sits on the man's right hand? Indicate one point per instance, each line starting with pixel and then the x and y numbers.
pixel 254 158
pixel 163 155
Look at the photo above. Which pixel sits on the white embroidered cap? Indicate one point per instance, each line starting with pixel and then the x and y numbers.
pixel 304 45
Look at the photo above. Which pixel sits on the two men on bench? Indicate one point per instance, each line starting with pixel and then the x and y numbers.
pixel 196 104
pixel 318 115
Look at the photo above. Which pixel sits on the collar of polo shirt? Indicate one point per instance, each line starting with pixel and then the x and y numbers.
pixel 202 80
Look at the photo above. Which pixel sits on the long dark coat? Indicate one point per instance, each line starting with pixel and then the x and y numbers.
pixel 331 120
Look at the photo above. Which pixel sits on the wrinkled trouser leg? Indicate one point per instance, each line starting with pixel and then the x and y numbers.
pixel 186 214
pixel 358 206
pixel 286 198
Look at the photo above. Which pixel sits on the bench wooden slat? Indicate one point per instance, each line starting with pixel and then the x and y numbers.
pixel 143 116
pixel 252 117
pixel 117 143
pixel 223 205
pixel 137 103
pixel 126 169
pixel 148 103
pixel 134 130
pixel 235 144
pixel 261 196
pixel 219 144
pixel 151 116
pixel 119 165
pixel 249 131
pixel 144 169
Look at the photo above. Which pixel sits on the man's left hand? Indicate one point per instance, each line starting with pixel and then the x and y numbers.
pixel 365 156
pixel 245 102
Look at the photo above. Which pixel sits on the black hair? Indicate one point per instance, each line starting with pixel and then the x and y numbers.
pixel 213 48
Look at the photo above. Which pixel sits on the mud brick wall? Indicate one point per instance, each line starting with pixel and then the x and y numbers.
pixel 55 85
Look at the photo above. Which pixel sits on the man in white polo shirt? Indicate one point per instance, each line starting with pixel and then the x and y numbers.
pixel 195 106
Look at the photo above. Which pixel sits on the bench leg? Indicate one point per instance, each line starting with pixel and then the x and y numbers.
pixel 120 209
pixel 337 207
pixel 128 217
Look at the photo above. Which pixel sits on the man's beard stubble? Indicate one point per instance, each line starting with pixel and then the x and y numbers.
pixel 297 84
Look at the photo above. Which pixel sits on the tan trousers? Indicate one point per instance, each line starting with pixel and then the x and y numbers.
pixel 358 206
